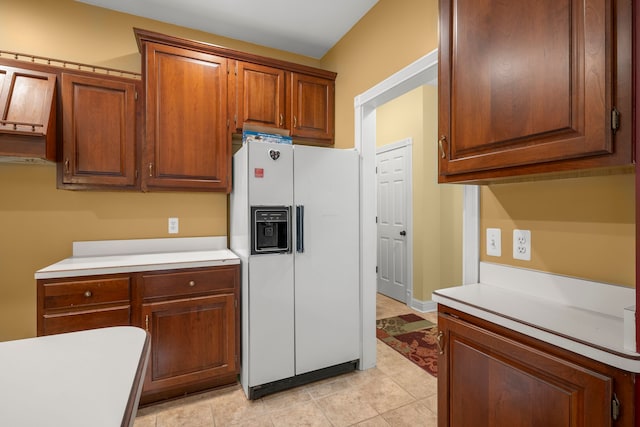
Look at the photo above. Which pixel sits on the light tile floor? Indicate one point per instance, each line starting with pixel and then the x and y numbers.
pixel 394 393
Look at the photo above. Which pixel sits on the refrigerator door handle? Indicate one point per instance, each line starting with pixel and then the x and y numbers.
pixel 300 228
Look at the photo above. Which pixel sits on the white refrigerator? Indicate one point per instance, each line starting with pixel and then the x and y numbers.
pixel 300 298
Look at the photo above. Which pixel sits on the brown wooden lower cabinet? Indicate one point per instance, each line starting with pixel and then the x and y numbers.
pixel 492 376
pixel 193 345
pixel 192 316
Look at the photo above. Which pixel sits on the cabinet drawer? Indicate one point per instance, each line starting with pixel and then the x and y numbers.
pixel 86 292
pixel 188 282
pixel 89 319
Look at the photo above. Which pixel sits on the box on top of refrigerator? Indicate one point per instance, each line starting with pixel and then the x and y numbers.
pixel 254 133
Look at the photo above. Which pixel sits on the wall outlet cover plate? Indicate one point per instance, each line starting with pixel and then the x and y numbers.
pixel 522 245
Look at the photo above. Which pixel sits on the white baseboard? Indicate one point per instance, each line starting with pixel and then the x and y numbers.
pixel 423 306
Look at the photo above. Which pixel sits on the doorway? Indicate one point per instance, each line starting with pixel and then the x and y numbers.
pixel 423 71
pixel 394 242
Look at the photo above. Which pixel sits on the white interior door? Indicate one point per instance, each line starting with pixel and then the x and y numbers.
pixel 327 285
pixel 392 164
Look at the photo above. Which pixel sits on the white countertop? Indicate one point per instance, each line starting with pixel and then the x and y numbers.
pixel 127 256
pixel 87 378
pixel 584 317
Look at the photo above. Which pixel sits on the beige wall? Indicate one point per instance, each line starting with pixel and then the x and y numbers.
pixel 391 36
pixel 402 118
pixel 581 227
pixel 41 222
pixel 450 206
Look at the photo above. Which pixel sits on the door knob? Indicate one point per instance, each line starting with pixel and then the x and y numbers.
pixel 403 233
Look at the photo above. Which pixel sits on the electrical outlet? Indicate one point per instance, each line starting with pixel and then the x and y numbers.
pixel 522 245
pixel 494 242
pixel 173 225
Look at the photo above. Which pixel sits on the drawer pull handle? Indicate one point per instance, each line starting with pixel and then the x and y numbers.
pixel 192 283
pixel 440 343
pixel 441 141
pixel 88 294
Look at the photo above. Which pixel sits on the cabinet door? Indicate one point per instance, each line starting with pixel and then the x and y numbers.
pixel 485 379
pixel 27 113
pixel 186 118
pixel 99 131
pixel 312 107
pixel 522 83
pixel 192 340
pixel 260 95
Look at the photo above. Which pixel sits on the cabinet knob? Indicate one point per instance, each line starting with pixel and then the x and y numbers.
pixel 192 283
pixel 88 294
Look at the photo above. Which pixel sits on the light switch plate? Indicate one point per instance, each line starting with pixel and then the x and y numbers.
pixel 494 242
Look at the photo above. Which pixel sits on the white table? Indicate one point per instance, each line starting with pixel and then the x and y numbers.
pixel 86 378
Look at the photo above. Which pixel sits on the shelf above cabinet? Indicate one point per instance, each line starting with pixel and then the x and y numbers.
pixel 28 113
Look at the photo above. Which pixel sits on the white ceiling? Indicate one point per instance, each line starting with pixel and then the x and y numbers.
pixel 305 27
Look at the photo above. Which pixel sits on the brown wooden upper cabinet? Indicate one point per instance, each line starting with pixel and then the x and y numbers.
pixel 186 144
pixel 302 103
pixel 260 96
pixel 99 131
pixel 312 107
pixel 27 113
pixel 198 94
pixel 533 87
